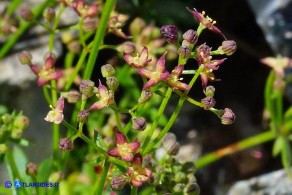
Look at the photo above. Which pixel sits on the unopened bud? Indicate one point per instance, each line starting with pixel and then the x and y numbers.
pixel 72 96
pixel 89 24
pixel 107 70
pixel 184 52
pixel 228 47
pixel 127 47
pixel 227 117
pixel 136 26
pixel 178 188
pixel 139 123
pixel 190 36
pixel 21 122
pixel 6 118
pixel 193 188
pixel 25 57
pixel 49 14
pixel 83 116
pixel 180 177
pixel 16 133
pixel 170 144
pixel 3 148
pixel 209 91
pixel 65 144
pixel 112 83
pixel 50 59
pixel 74 46
pixel 208 102
pixel 55 177
pixel 26 14
pixel 145 96
pixel 170 33
pixel 118 182
pixel 86 87
pixel 31 169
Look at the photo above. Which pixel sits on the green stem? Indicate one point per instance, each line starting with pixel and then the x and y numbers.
pixel 134 190
pixel 236 147
pixel 100 183
pixel 98 39
pixel 13 170
pixel 15 36
pixel 183 97
pixel 157 117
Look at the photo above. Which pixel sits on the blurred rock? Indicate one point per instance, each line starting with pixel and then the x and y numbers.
pixel 277 182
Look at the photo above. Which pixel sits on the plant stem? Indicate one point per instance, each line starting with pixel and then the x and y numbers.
pixel 98 39
pixel 236 147
pixel 157 117
pixel 102 179
pixel 134 190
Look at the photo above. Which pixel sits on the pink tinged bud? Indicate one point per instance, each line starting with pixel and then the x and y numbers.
pixel 119 181
pixel 65 144
pixel 25 57
pixel 56 114
pixel 112 83
pixel 145 96
pixel 89 24
pixel 139 123
pixel 26 14
pixel 227 117
pixel 49 14
pixel 170 33
pixel 138 174
pixel 72 96
pixel 206 21
pixel 83 116
pixel 170 144
pixel 228 47
pixel 190 36
pixel 184 52
pixel 208 102
pixel 31 169
pixel 127 47
pixel 209 91
pixel 86 87
pixel 50 60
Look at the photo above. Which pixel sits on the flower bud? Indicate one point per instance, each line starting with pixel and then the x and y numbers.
pixel 49 14
pixel 127 47
pixel 184 52
pixel 83 116
pixel 74 46
pixel 107 71
pixel 170 144
pixel 86 87
pixel 26 14
pixel 209 91
pixel 16 133
pixel 50 59
pixel 180 177
pixel 145 96
pixel 136 26
pixel 178 188
pixel 89 24
pixel 21 122
pixel 208 102
pixel 31 169
pixel 139 123
pixel 25 57
pixel 190 36
pixel 72 96
pixel 193 188
pixel 3 148
pixel 112 83
pixel 227 117
pixel 55 177
pixel 119 181
pixel 67 37
pixel 6 118
pixel 170 33
pixel 228 47
pixel 65 144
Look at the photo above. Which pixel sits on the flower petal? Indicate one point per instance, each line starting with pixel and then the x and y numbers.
pixel 120 138
pixel 114 152
pixel 134 146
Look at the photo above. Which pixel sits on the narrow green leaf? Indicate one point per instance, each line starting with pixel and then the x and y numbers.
pixel 99 142
pixel 278 145
pixel 44 170
pixel 286 155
